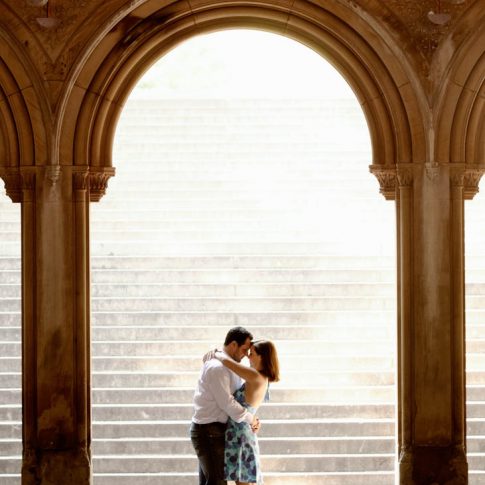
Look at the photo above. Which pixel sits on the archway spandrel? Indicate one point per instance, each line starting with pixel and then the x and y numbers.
pixel 387 98
pixel 459 108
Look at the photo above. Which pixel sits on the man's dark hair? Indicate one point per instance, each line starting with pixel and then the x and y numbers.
pixel 239 335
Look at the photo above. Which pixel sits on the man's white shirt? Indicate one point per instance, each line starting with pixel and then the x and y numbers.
pixel 213 398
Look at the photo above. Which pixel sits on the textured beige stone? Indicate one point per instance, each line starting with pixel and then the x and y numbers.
pixel 61 91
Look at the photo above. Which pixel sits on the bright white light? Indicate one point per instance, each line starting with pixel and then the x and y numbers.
pixel 242 64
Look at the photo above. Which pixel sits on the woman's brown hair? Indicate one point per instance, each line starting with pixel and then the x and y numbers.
pixel 269 359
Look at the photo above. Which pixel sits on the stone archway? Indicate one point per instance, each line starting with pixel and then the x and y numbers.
pixel 428 139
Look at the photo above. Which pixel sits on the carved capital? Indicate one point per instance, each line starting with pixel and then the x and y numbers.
pixel 17 181
pixel 80 180
pixel 98 181
pixel 457 175
pixel 472 176
pixel 405 176
pixel 386 176
pixel 52 174
pixel 432 170
pixel 11 179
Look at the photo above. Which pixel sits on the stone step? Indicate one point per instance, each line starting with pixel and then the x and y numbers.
pixel 219 235
pixel 238 304
pixel 119 248
pixel 321 159
pixel 199 347
pixel 161 478
pixel 249 262
pixel 221 169
pixel 170 348
pixel 272 428
pixel 189 379
pixel 225 320
pixel 101 290
pixel 268 446
pixel 182 363
pixel 233 201
pixel 183 226
pixel 280 464
pixel 242 276
pixel 174 395
pixel 150 332
pixel 270 332
pixel 274 411
pixel 337 478
pixel 10 319
pixel 167 204
pixel 164 363
pixel 233 304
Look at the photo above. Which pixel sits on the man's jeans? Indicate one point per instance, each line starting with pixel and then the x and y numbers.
pixel 208 441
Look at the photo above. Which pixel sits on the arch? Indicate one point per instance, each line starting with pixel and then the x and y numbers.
pixel 115 61
pixel 461 105
pixel 25 116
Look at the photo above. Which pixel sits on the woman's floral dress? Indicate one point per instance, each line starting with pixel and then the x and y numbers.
pixel 241 455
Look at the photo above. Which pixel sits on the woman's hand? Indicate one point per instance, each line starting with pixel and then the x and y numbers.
pixel 210 355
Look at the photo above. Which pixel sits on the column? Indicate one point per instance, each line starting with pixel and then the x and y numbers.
pixel 431 318
pixel 56 384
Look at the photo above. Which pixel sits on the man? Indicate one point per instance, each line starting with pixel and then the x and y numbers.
pixel 214 403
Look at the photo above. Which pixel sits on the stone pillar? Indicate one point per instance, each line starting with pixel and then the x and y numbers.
pixel 431 318
pixel 56 413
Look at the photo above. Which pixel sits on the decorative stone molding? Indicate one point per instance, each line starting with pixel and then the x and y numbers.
pixel 432 170
pixel 457 176
pixel 17 181
pixel 472 176
pixel 386 177
pixel 80 180
pixel 405 176
pixel 52 174
pixel 98 182
pixel 11 179
pixel 27 179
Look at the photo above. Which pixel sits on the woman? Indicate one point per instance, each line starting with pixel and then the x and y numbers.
pixel 241 456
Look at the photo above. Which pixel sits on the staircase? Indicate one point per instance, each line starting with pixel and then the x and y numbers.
pixel 259 213
pixel 253 213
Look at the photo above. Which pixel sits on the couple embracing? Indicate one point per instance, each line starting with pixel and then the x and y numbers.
pixel 227 396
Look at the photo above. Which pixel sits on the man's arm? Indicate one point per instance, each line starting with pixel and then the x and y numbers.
pixel 219 383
